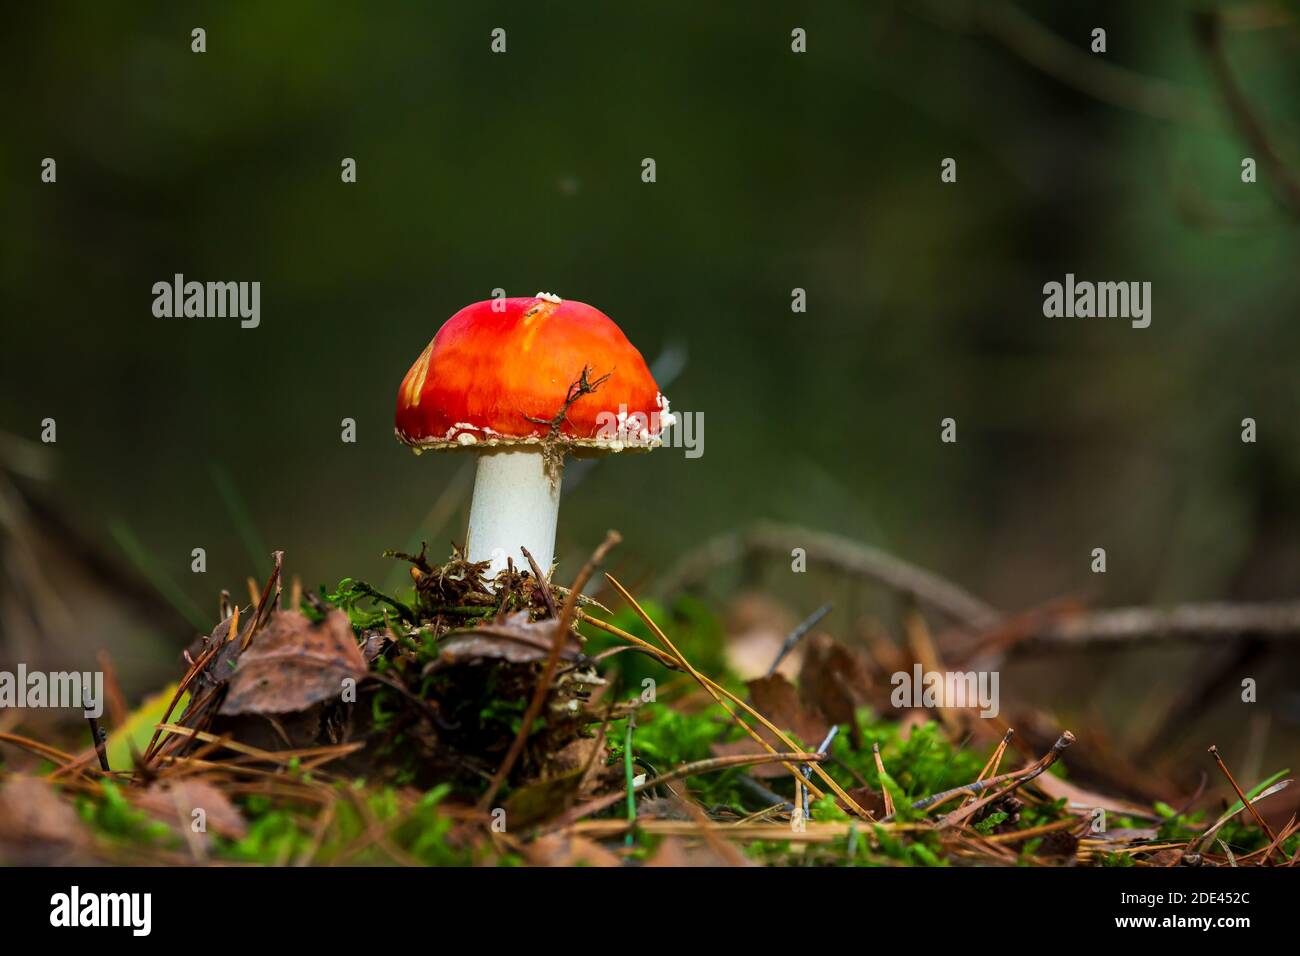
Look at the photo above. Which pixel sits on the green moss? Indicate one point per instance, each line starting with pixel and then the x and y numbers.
pixel 991 822
pixel 109 813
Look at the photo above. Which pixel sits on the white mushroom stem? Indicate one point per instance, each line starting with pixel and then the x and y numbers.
pixel 516 504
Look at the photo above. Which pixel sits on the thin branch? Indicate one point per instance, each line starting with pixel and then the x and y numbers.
pixel 794 637
pixel 1209 33
pixel 543 583
pixel 842 554
pixel 1214 751
pixel 1191 622
pixel 98 736
pixel 1072 66
pixel 580 387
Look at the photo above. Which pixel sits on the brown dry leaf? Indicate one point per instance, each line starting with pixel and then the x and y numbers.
pixel 1059 843
pixel 676 851
pixel 36 826
pixel 776 699
pixel 293 664
pixel 663 808
pixel 1057 788
pixel 516 640
pixel 175 803
pixel 560 850
pixel 868 799
pixel 671 852
pixel 373 643
pixel 835 679
pixel 585 753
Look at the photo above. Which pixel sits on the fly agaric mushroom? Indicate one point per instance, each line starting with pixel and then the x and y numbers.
pixel 522 382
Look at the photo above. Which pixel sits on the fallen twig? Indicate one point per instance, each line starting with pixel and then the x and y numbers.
pixel 543 584
pixel 1286 186
pixel 1241 795
pixel 98 736
pixel 794 637
pixel 1184 622
pixel 842 554
pixel 1019 778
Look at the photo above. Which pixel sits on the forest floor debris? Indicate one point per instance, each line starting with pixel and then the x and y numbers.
pixel 467 721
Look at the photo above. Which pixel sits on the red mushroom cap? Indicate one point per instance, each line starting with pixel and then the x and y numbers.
pixel 499 376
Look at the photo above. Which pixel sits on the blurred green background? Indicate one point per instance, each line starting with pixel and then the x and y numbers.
pixel 775 170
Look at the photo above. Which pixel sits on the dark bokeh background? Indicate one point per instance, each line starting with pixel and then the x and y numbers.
pixel 775 171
